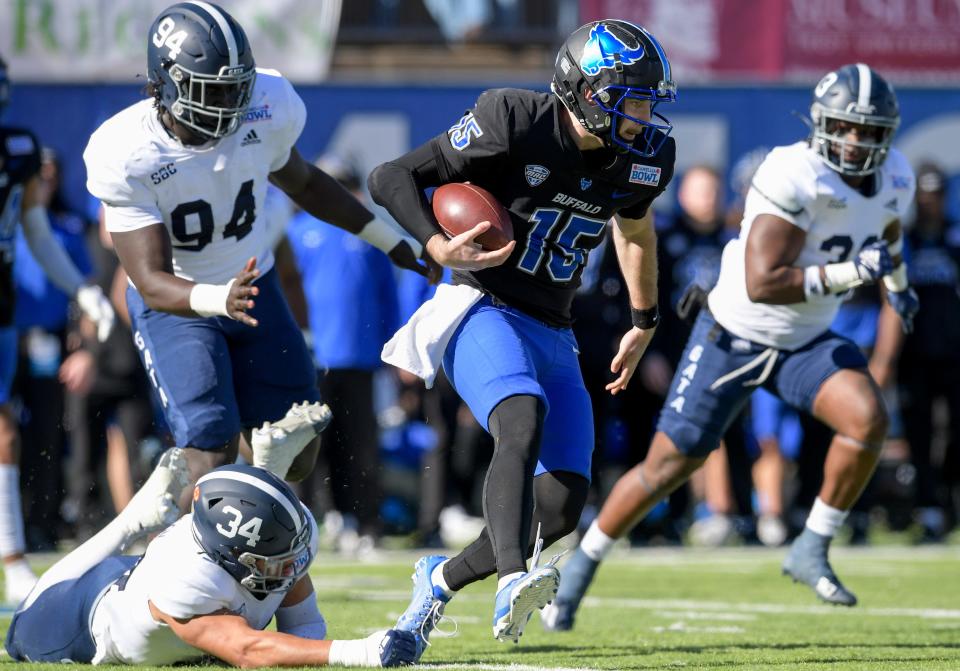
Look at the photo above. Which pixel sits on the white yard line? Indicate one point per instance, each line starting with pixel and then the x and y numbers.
pixel 505 667
pixel 724 607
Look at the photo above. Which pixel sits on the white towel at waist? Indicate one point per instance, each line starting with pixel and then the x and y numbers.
pixel 419 345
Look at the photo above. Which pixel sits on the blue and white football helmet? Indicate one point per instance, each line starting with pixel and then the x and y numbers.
pixel 201 67
pixel 616 61
pixel 251 523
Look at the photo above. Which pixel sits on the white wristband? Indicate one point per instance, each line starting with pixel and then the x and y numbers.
pixel 896 246
pixel 210 300
pixel 838 277
pixel 897 280
pixel 349 653
pixel 812 284
pixel 385 237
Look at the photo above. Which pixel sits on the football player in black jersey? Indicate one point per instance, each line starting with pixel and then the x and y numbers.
pixel 20 202
pixel 563 164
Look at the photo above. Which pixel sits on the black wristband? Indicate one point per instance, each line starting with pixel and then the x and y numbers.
pixel 645 319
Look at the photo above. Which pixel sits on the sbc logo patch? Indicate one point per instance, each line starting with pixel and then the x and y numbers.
pixel 644 174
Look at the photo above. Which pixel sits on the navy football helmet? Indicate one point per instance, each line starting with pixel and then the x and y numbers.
pixel 615 61
pixel 4 86
pixel 251 523
pixel 854 94
pixel 201 67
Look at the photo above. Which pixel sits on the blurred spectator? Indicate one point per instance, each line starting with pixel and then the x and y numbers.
pixel 42 318
pixel 112 423
pixel 351 300
pixel 929 364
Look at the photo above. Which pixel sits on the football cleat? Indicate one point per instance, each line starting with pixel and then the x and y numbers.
pixel 517 600
pixel 18 582
pixel 156 505
pixel 275 445
pixel 558 615
pixel 578 573
pixel 807 563
pixel 426 607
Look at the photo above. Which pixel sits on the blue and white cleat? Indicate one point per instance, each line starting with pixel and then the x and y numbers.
pixel 807 563
pixel 426 607
pixel 517 601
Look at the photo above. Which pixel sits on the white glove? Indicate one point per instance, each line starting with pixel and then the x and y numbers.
pixel 97 307
pixel 384 648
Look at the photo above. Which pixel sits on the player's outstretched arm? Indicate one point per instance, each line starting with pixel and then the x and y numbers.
pixel 635 241
pixel 322 196
pixel 56 263
pixel 146 256
pixel 229 637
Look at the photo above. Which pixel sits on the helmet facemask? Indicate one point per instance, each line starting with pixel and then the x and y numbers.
pixel 212 106
pixel 277 573
pixel 612 100
pixel 833 145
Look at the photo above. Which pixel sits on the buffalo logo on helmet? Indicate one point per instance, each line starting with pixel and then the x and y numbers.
pixel 605 50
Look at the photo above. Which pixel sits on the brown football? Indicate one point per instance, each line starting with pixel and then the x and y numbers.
pixel 459 207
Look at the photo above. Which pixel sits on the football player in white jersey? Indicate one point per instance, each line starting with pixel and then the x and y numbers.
pixel 183 177
pixel 822 217
pixel 208 585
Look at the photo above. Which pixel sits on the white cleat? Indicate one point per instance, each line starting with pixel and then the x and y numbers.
pixel 18 582
pixel 156 505
pixel 275 445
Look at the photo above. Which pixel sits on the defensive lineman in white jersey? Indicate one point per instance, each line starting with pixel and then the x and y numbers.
pixel 208 585
pixel 821 217
pixel 183 177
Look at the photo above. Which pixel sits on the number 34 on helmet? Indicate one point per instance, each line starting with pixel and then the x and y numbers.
pixel 249 521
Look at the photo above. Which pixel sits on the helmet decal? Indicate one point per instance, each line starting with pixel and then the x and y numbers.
pixel 605 50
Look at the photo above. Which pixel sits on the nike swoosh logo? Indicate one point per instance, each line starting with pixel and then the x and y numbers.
pixel 621 194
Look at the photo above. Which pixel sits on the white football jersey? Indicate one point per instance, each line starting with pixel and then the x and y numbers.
pixel 210 197
pixel 794 184
pixel 182 582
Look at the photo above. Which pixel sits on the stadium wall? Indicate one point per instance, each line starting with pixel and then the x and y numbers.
pixel 370 124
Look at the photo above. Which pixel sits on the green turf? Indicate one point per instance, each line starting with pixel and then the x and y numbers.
pixel 690 609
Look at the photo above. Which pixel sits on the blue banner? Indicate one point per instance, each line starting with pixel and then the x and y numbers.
pixel 369 124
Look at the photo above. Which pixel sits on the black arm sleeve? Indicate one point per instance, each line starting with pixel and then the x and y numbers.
pixel 474 148
pixel 399 185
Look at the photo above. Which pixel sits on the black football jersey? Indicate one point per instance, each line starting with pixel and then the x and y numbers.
pixel 19 161
pixel 559 198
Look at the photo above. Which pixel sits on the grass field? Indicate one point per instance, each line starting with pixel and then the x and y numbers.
pixel 689 609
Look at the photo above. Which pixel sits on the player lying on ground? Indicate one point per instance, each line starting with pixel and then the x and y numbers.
pixel 208 585
pixel 563 165
pixel 822 217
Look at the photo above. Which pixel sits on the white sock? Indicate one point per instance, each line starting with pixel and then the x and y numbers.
pixel 436 577
pixel 595 543
pixel 507 579
pixel 824 519
pixel 11 518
